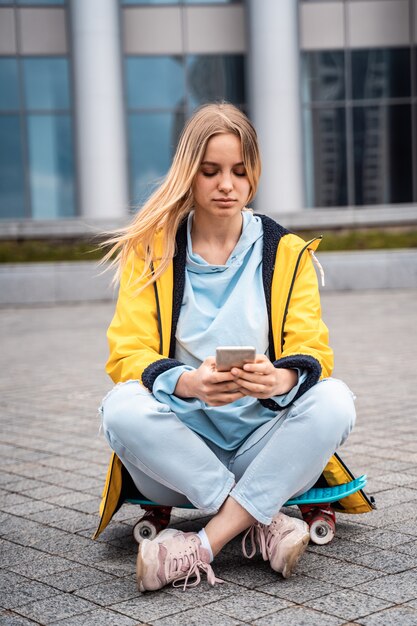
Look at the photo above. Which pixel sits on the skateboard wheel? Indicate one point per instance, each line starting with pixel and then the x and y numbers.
pixel 321 531
pixel 144 529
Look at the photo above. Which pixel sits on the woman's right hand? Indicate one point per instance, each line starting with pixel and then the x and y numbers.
pixel 208 385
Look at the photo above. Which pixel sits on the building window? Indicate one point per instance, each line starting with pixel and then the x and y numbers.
pixel 357 121
pixel 33 2
pixel 162 91
pixel 162 2
pixel 382 154
pixel 36 145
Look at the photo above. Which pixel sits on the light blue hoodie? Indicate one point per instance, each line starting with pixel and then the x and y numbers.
pixel 222 305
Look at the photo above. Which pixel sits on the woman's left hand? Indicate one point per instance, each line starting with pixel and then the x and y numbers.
pixel 262 380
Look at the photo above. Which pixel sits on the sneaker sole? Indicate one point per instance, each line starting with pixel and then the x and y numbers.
pixel 295 554
pixel 148 550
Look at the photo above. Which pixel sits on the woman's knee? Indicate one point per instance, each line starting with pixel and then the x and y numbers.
pixel 331 405
pixel 125 408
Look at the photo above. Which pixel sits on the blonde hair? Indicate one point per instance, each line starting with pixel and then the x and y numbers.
pixel 173 200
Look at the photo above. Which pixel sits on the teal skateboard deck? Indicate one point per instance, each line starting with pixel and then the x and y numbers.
pixel 316 495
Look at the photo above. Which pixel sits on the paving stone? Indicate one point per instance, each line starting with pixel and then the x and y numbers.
pixel 408 527
pixel 16 590
pixel 55 608
pixel 95 551
pixel 384 539
pixel 391 515
pixel 126 543
pixel 12 525
pixel 73 500
pixel 119 565
pixel 312 560
pixel 397 616
pixel 23 485
pixel 249 605
pixel 350 530
pixel 33 534
pixel 299 588
pixel 250 575
pixel 408 548
pixel 12 553
pixel 94 470
pixel 19 454
pixel 8 618
pixel 391 465
pixel 36 565
pixel 31 508
pixel 298 616
pixel 399 478
pixel 376 487
pixel 9 500
pixel 78 577
pixel 207 594
pixel 386 561
pixel 342 548
pixel 148 607
pixel 108 593
pixel 99 617
pixel 395 588
pixel 346 574
pixel 6 478
pixel 91 506
pixel 348 604
pixel 396 496
pixel 198 617
pixel 116 531
pixel 62 462
pixel 65 519
pixel 49 491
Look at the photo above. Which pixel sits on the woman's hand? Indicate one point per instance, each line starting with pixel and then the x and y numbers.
pixel 208 385
pixel 262 380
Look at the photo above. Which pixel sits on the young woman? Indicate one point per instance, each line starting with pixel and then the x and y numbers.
pixel 199 270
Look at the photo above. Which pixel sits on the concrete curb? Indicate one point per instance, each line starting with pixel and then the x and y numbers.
pixel 370 269
pixel 306 219
pixel 53 283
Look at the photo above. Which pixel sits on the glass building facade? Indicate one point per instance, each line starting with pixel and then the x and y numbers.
pixel 37 174
pixel 359 95
pixel 358 126
pixel 357 113
pixel 176 85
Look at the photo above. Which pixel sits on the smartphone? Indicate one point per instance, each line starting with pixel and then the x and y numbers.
pixel 233 356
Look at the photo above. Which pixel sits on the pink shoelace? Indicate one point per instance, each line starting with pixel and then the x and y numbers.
pixel 256 535
pixel 195 571
pixel 194 564
pixel 263 536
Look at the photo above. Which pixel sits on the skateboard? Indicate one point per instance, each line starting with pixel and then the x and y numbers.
pixel 315 506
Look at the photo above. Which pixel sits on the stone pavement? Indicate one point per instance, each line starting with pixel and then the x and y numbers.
pixel 53 465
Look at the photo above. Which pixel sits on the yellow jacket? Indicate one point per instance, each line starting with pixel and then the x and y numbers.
pixel 142 335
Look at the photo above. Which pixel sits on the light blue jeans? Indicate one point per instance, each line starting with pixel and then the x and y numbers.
pixel 172 465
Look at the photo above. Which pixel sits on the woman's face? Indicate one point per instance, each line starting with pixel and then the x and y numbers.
pixel 221 187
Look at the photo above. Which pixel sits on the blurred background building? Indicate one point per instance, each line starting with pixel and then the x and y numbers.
pixel 94 93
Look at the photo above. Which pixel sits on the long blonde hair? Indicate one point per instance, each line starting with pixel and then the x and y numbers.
pixel 173 200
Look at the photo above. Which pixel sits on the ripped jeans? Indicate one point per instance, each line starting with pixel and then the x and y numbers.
pixel 172 465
